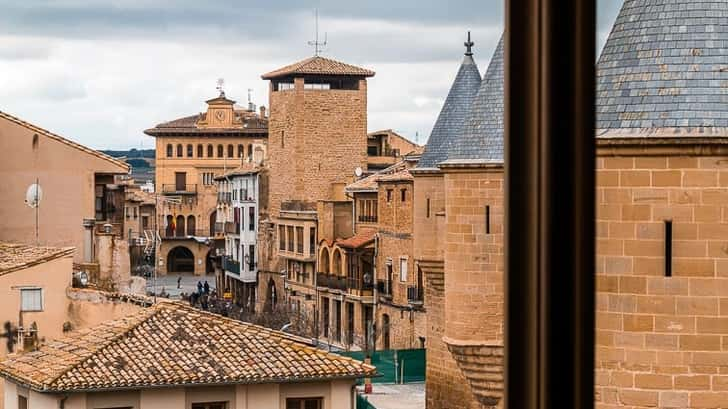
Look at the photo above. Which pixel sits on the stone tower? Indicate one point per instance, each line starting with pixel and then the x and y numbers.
pixel 318 128
pixel 662 188
pixel 446 386
pixel 318 114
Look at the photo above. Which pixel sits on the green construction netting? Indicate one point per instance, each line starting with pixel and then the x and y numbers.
pixel 395 365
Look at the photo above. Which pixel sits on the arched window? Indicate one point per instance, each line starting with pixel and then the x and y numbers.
pixel 337 262
pixel 210 152
pixel 324 261
pixel 199 151
pixel 179 228
pixel 191 225
pixel 241 151
pixel 231 151
pixel 250 152
pixel 190 151
pixel 179 150
pixel 220 151
pixel 170 226
pixel 170 150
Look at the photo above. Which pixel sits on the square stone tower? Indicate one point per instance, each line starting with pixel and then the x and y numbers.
pixel 318 130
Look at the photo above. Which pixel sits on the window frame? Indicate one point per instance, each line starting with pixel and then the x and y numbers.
pixel 31 289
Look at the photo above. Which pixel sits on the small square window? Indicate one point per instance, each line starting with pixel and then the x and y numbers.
pixel 31 299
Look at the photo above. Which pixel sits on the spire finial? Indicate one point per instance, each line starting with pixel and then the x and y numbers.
pixel 469 45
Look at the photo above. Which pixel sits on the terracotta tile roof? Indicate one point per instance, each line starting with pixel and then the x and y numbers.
pixel 124 167
pixel 15 257
pixel 358 240
pixel 246 169
pixel 401 176
pixel 250 123
pixel 321 66
pixel 370 183
pixel 173 344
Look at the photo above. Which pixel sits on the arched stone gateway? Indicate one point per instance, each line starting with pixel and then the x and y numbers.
pixel 180 260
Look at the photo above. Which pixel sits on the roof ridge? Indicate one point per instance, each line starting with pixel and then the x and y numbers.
pixel 66 141
pixel 143 315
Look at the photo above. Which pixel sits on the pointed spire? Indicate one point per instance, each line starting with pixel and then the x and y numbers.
pixel 481 136
pixel 453 113
pixel 469 46
pixel 664 67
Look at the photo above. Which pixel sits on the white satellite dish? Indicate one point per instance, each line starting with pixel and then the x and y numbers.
pixel 33 195
pixel 358 171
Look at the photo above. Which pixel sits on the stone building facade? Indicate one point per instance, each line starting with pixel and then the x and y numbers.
pixel 661 227
pixel 318 138
pixel 190 153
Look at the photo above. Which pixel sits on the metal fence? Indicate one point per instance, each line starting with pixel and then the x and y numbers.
pixel 395 365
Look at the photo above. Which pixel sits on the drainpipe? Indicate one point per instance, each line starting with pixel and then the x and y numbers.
pixel 62 402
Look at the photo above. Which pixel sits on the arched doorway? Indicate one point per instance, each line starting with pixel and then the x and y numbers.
pixel 180 260
pixel 179 227
pixel 385 331
pixel 169 230
pixel 191 225
pixel 213 219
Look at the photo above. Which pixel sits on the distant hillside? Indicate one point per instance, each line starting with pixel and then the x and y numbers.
pixel 132 153
pixel 140 160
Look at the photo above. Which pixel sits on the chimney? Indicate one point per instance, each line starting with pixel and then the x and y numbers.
pixel 262 112
pixel 88 237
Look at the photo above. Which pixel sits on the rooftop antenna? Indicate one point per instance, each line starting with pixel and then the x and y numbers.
pixel 220 86
pixel 469 46
pixel 318 45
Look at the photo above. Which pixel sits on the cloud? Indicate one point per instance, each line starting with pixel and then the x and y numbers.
pixel 102 71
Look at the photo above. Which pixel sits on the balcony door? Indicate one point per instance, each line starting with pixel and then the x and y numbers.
pixel 180 180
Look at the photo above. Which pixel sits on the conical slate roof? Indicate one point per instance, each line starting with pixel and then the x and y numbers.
pixel 664 68
pixel 453 113
pixel 481 137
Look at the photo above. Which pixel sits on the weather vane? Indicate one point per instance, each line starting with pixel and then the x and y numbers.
pixel 220 85
pixel 318 45
pixel 469 46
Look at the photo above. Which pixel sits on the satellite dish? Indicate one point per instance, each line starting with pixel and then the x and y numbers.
pixel 33 195
pixel 358 171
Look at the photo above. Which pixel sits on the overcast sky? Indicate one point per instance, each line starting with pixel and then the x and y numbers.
pixel 100 72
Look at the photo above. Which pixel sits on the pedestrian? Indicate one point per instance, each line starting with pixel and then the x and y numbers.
pixel 179 282
pixel 199 287
pixel 207 287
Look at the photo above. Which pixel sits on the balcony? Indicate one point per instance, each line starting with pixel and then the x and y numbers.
pixel 415 295
pixel 331 281
pixel 232 228
pixel 230 265
pixel 353 283
pixel 174 189
pixel 224 197
pixel 384 288
pixel 169 234
pixel 367 219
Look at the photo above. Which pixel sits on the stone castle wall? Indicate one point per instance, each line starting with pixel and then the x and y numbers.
pixel 662 341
